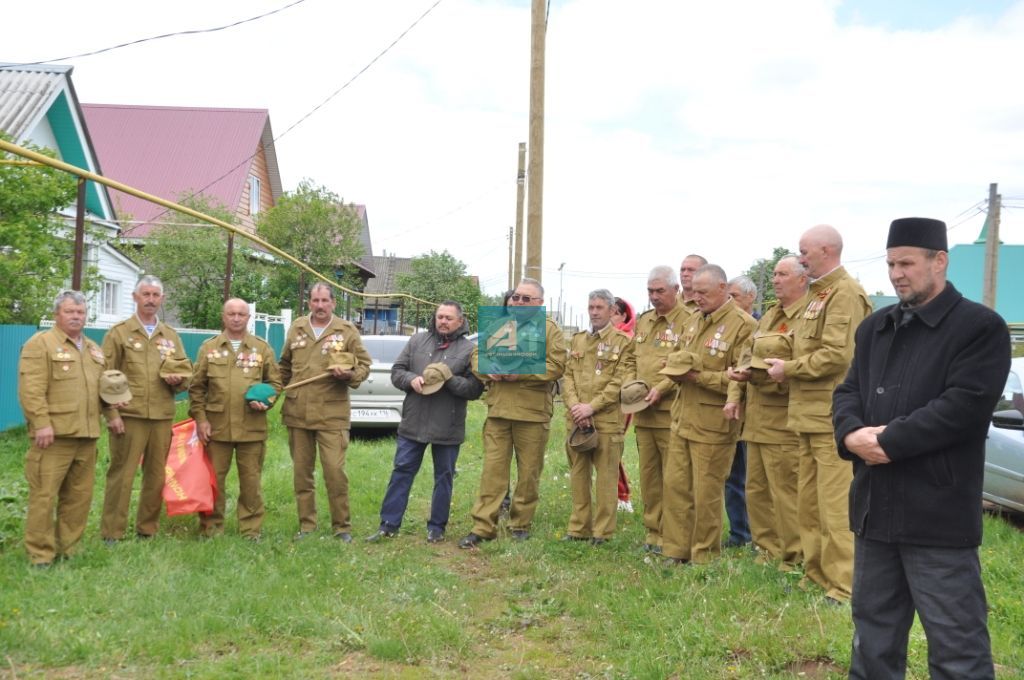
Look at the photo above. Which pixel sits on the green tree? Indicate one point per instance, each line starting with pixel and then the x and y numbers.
pixel 36 252
pixel 436 277
pixel 761 274
pixel 190 258
pixel 316 227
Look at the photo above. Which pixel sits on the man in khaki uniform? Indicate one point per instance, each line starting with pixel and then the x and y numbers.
pixel 703 440
pixel 689 265
pixel 228 364
pixel 139 347
pixel 317 414
pixel 590 390
pixel 656 336
pixel 519 409
pixel 58 387
pixel 822 351
pixel 773 453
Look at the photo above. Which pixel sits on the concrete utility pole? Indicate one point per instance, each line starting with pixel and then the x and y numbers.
pixel 517 273
pixel 511 272
pixel 991 247
pixel 535 197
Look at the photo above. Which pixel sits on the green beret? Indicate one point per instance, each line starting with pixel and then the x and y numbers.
pixel 261 392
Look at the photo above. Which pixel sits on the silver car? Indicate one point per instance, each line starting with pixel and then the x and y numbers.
pixel 376 403
pixel 1004 450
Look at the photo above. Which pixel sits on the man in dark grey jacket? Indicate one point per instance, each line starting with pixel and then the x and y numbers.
pixel 912 415
pixel 434 371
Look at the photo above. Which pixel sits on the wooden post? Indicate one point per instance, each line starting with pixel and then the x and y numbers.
pixel 535 174
pixel 78 265
pixel 511 275
pixel 227 269
pixel 517 268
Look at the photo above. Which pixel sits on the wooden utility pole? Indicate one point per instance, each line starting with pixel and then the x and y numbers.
pixel 517 272
pixel 227 270
pixel 511 272
pixel 78 265
pixel 535 176
pixel 991 247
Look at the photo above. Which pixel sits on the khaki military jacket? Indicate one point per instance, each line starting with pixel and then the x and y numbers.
pixel 128 349
pixel 322 404
pixel 689 306
pixel 767 405
pixel 823 348
pixel 593 375
pixel 59 385
pixel 219 383
pixel 717 339
pixel 529 398
pixel 655 337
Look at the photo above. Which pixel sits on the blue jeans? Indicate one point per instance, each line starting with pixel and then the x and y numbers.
pixel 408 458
pixel 736 497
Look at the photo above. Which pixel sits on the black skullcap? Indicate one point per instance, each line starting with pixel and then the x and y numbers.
pixel 918 232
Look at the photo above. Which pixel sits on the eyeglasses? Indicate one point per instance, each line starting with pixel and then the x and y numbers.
pixel 523 298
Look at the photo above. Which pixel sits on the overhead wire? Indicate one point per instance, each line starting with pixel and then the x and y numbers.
pixel 173 34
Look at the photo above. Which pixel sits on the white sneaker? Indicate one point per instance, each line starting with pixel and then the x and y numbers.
pixel 625 506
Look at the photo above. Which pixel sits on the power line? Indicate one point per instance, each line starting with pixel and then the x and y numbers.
pixel 195 31
pixel 320 105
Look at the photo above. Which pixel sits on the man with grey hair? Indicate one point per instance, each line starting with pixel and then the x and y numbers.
pixel 703 440
pixel 590 390
pixel 150 354
pixel 690 264
pixel 743 292
pixel 655 337
pixel 519 408
pixel 58 387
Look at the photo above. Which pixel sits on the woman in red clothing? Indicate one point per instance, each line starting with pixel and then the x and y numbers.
pixel 624 319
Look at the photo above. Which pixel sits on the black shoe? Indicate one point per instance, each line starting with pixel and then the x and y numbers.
pixel 343 536
pixel 381 534
pixel 143 537
pixel 42 565
pixel 301 535
pixel 676 561
pixel 734 542
pixel 252 538
pixel 110 542
pixel 520 534
pixel 472 541
pixel 570 537
pixel 433 535
pixel 652 548
pixel 598 541
pixel 833 602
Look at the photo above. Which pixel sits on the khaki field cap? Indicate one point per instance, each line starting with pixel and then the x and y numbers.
pixel 346 361
pixel 583 439
pixel 681 362
pixel 114 387
pixel 434 377
pixel 631 396
pixel 771 346
pixel 746 356
pixel 178 367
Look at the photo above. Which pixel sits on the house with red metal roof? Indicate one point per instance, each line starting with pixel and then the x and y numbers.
pixel 224 154
pixel 39 106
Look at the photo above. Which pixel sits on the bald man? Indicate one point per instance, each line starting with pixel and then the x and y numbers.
pixel 822 352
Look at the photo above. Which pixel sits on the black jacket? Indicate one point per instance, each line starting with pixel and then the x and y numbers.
pixel 933 383
pixel 438 418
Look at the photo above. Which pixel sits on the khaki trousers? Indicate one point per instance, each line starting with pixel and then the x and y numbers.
pixel 595 518
pixel 760 505
pixel 149 440
pixel 652 446
pixel 782 467
pixel 501 437
pixel 822 500
pixel 249 459
pixel 691 521
pixel 60 476
pixel 303 445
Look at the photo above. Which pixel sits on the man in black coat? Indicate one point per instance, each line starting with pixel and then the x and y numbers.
pixel 912 415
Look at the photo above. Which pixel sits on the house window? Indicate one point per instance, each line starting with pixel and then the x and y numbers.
pixel 108 297
pixel 254 195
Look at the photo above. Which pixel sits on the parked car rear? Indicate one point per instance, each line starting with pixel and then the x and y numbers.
pixel 376 403
pixel 1004 449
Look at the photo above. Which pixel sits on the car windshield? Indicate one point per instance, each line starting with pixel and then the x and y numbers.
pixel 384 350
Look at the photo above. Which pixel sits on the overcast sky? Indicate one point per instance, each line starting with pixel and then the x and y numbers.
pixel 722 128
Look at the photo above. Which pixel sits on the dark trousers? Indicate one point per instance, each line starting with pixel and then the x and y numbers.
pixel 408 458
pixel 736 498
pixel 890 582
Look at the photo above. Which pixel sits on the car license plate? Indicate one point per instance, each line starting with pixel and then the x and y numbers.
pixel 373 414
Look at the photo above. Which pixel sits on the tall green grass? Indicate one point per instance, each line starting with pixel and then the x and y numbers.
pixel 175 606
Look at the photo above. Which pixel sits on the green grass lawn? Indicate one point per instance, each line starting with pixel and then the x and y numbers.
pixel 178 607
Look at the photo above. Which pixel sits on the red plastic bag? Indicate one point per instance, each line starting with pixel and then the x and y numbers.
pixel 190 484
